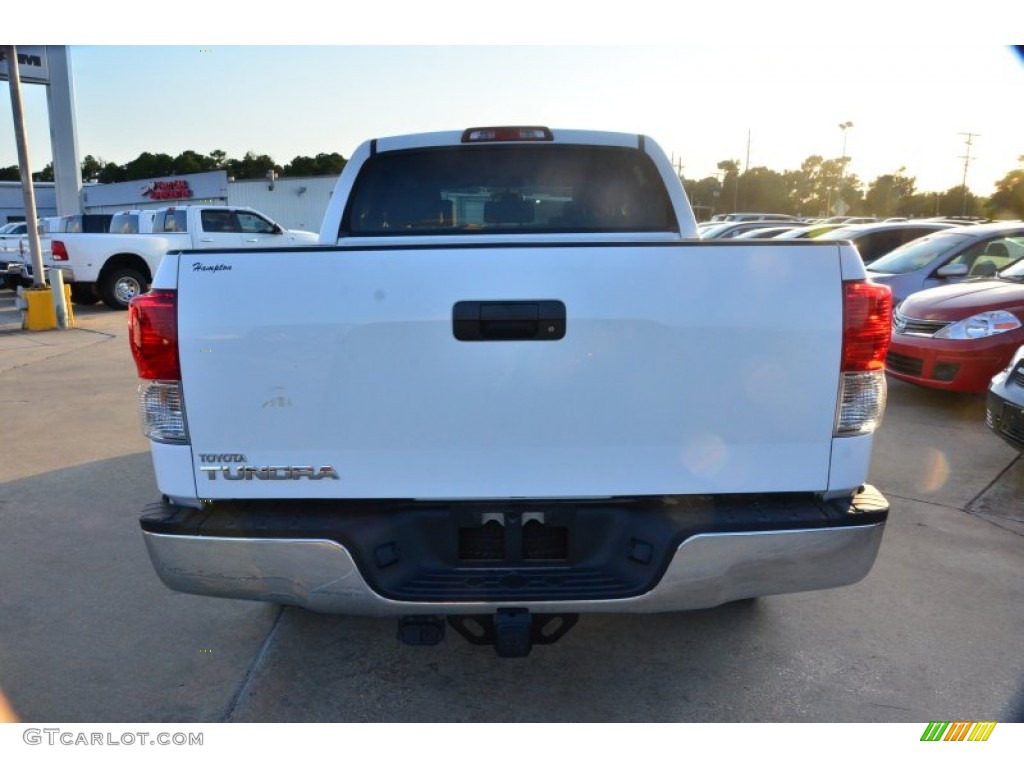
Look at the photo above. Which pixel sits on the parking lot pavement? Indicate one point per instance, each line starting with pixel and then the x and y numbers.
pixel 87 631
pixel 931 629
pixel 89 634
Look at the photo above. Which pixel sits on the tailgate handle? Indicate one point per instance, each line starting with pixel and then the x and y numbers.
pixel 508 320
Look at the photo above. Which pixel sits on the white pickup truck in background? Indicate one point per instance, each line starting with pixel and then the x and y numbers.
pixel 15 258
pixel 10 235
pixel 513 387
pixel 116 266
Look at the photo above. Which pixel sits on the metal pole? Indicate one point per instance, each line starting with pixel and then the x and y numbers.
pixel 746 167
pixel 27 190
pixel 844 127
pixel 736 189
pixel 60 304
pixel 967 161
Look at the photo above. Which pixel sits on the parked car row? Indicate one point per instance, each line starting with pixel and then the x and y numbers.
pixel 876 240
pixel 968 337
pixel 957 337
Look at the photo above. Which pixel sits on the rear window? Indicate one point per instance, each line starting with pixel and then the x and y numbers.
pixel 170 221
pixel 93 223
pixel 503 189
pixel 125 223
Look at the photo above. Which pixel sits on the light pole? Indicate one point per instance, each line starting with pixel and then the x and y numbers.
pixel 844 127
pixel 27 189
pixel 967 160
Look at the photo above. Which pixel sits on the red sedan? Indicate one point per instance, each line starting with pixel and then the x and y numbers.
pixel 957 337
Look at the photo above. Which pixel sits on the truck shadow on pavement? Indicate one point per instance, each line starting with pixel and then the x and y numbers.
pixel 694 666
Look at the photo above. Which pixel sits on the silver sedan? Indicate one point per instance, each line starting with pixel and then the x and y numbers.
pixel 949 256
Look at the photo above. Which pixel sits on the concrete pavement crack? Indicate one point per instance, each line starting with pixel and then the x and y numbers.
pixel 60 351
pixel 923 501
pixel 988 487
pixel 994 523
pixel 967 508
pixel 254 667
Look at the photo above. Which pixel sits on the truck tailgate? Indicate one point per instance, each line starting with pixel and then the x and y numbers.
pixel 685 368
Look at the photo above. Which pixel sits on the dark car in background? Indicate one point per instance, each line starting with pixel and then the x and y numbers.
pixel 957 337
pixel 950 256
pixel 877 239
pixel 1004 411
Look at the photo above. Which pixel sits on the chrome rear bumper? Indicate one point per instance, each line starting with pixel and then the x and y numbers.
pixel 706 570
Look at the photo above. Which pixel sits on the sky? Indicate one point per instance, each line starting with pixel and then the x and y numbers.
pixel 756 98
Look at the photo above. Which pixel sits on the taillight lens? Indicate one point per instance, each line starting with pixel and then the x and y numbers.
pixel 867 322
pixel 867 317
pixel 153 335
pixel 58 251
pixel 162 411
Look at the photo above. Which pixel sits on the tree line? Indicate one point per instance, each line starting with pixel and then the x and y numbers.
pixel 820 187
pixel 150 165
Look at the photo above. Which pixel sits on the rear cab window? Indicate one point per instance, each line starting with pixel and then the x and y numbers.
pixel 508 189
pixel 125 223
pixel 170 221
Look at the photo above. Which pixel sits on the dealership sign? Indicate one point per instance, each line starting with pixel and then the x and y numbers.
pixel 202 187
pixel 166 190
pixel 31 64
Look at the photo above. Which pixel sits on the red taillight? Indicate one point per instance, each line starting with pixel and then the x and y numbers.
pixel 508 133
pixel 867 317
pixel 153 335
pixel 59 252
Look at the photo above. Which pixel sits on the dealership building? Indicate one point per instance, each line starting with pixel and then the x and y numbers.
pixel 12 204
pixel 294 203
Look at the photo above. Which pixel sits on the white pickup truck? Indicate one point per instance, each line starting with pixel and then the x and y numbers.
pixel 114 267
pixel 512 387
pixel 10 234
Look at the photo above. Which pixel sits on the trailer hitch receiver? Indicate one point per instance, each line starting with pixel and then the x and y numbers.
pixel 513 631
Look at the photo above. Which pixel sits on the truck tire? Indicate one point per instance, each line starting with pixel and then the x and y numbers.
pixel 84 294
pixel 119 286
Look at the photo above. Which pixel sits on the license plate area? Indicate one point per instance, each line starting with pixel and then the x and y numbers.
pixel 513 538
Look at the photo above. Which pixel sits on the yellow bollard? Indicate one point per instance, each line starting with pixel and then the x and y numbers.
pixel 40 314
